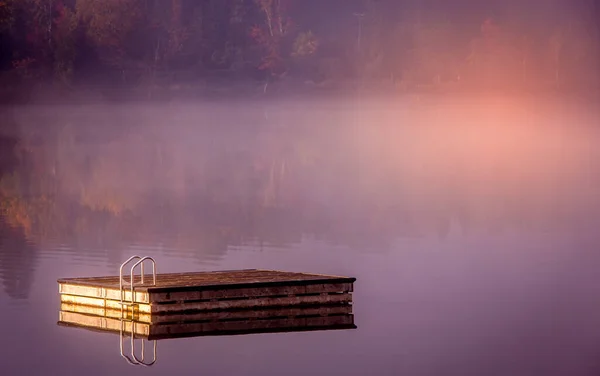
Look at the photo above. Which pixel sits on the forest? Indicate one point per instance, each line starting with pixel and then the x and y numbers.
pixel 153 46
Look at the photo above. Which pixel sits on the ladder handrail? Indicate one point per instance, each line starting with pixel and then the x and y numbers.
pixel 135 361
pixel 121 276
pixel 135 358
pixel 131 281
pixel 121 343
pixel 141 262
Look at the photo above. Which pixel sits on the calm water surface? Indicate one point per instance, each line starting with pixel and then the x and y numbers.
pixel 471 227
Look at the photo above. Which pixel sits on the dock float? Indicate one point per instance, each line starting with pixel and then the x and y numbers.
pixel 151 307
pixel 205 291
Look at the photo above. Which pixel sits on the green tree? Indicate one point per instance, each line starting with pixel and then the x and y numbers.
pixel 305 45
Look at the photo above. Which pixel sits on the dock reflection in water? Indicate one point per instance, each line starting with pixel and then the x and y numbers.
pixel 150 328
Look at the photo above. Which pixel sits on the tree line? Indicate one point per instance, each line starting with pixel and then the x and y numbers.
pixel 411 44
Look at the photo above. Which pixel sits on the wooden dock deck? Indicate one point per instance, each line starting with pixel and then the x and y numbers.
pixel 206 291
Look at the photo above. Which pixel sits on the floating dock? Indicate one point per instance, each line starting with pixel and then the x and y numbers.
pixel 150 307
pixel 205 291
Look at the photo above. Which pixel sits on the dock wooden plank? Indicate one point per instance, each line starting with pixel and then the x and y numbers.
pixel 246 314
pixel 253 303
pixel 101 303
pixel 103 292
pixel 233 293
pixel 165 297
pixel 220 280
pixel 214 305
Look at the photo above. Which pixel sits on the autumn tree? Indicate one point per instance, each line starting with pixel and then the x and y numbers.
pixel 272 34
pixel 7 21
pixel 230 21
pixel 40 20
pixel 7 15
pixel 108 22
pixel 64 39
pixel 278 40
pixel 43 33
pixel 108 25
pixel 31 24
pixel 168 32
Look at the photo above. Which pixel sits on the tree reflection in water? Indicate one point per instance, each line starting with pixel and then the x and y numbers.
pixel 199 182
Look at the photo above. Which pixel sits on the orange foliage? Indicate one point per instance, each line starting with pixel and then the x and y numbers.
pixel 15 213
pixel 270 35
pixel 109 21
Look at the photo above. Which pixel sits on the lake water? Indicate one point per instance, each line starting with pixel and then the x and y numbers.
pixel 471 226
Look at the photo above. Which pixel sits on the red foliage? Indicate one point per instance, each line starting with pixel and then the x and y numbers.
pixel 270 36
pixel 59 10
pixel 271 59
pixel 37 35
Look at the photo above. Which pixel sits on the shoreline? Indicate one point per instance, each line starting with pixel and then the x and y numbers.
pixel 49 94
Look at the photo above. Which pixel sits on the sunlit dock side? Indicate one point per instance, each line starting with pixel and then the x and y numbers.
pixel 210 323
pixel 246 314
pixel 206 291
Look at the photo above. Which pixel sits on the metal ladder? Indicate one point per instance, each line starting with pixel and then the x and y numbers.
pixel 133 359
pixel 122 282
